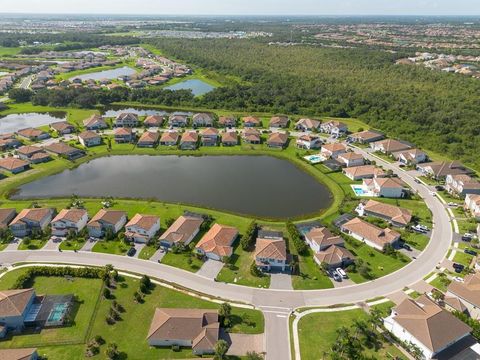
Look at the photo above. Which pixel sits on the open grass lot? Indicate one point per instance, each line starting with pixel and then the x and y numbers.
pixel 379 263
pixel 76 244
pixel 9 51
pixel 129 333
pixel 317 334
pixel 86 290
pixel 147 252
pixel 310 275
pixel 440 283
pixel 462 258
pixel 182 261
pixel 467 225
pixel 32 244
pixel 115 247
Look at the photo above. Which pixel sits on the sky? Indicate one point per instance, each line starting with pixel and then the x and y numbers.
pixel 245 7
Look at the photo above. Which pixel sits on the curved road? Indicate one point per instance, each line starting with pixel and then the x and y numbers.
pixel 276 304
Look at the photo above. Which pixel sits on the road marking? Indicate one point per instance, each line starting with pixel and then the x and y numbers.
pixel 282 316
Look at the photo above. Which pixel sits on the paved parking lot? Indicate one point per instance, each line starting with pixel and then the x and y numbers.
pixel 210 269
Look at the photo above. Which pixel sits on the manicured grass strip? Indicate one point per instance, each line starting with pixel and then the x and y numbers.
pixel 32 244
pixel 115 247
pixel 147 252
pixel 184 260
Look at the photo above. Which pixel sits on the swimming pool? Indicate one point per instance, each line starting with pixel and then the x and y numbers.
pixel 359 190
pixel 314 159
pixel 57 313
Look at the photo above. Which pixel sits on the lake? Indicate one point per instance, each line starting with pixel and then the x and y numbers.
pixel 198 87
pixel 107 74
pixel 256 185
pixel 114 111
pixel 14 122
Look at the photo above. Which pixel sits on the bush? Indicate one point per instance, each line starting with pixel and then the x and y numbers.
pixel 248 241
pixel 300 245
pixel 87 272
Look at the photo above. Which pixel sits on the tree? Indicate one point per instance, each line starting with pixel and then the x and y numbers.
pixel 146 281
pixel 254 270
pixel 112 351
pixel 20 95
pixel 252 355
pixel 107 293
pixel 225 313
pixel 221 348
pixel 248 241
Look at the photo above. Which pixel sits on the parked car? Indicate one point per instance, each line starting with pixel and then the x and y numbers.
pixel 131 251
pixel 439 188
pixel 452 204
pixel 406 246
pixel 417 181
pixel 420 229
pixel 342 273
pixel 458 278
pixel 433 193
pixel 470 252
pixel 336 276
pixel 458 267
pixel 423 227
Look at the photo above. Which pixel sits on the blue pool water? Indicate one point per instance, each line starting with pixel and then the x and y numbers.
pixel 57 313
pixel 358 190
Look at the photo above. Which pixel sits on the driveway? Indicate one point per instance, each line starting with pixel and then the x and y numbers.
pixel 343 283
pixel 89 244
pixel 13 245
pixel 210 269
pixel 422 287
pixel 240 344
pixel 51 244
pixel 158 256
pixel 138 248
pixel 280 281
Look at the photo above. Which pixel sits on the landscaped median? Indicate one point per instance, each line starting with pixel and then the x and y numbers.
pixel 128 332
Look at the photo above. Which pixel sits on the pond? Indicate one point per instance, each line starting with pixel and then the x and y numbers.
pixel 263 186
pixel 14 122
pixel 117 110
pixel 198 87
pixel 107 74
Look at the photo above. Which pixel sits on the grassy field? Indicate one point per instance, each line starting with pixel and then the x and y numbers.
pixel 32 245
pixel 317 333
pixel 115 247
pixel 147 252
pixel 9 51
pixel 129 333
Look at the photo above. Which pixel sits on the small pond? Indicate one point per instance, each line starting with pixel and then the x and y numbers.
pixel 257 185
pixel 116 110
pixel 198 87
pixel 107 74
pixel 14 122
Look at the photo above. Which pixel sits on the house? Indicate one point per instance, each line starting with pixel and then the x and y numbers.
pixel 34 154
pixel 62 127
pixel 169 138
pixel 209 136
pixel 334 127
pixel 363 172
pixel 472 204
pixel 106 220
pixel 440 169
pixel 29 220
pixel 334 257
pixel 425 324
pixel 351 159
pixel 229 138
pixel 13 165
pixel 227 121
pixel 189 140
pixel 333 150
pixel 127 120
pixel 64 150
pixel 142 228
pixel 148 139
pixel 309 142
pixel 307 125
pixel 95 122
pixel 177 120
pixel 181 232
pixel 461 185
pixel 19 354
pixel 271 254
pixel 154 121
pixel 410 156
pixel 69 220
pixel 198 329
pixel 33 134
pixel 468 292
pixel 251 136
pixel 395 215
pixel 251 121
pixel 365 137
pixel 6 216
pixel 277 140
pixel 123 135
pixel 89 138
pixel 217 243
pixel 385 187
pixel 389 146
pixel 8 141
pixel 278 122
pixel 14 307
pixel 201 120
pixel 370 234
pixel 320 238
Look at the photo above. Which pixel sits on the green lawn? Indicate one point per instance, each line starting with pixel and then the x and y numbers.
pixel 182 261
pixel 87 292
pixel 310 275
pixel 147 252
pixel 440 283
pixel 418 241
pixel 317 334
pixel 76 244
pixel 129 333
pixel 9 51
pixel 32 245
pixel 462 258
pixel 115 247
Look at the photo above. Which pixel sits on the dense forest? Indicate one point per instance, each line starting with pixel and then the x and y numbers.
pixel 437 111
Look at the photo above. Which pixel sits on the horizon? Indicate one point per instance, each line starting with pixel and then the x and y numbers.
pixel 244 8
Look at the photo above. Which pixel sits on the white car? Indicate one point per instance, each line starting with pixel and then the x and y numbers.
pixel 433 193
pixel 342 273
pixel 458 278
